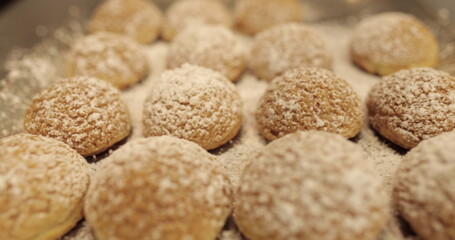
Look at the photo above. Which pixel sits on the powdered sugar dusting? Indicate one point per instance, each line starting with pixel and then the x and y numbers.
pixel 194 13
pixel 42 182
pixel 214 47
pixel 193 103
pixel 309 99
pixel 86 113
pixel 288 46
pixel 111 57
pixel 135 96
pixel 288 190
pixel 139 19
pixel 29 71
pixel 425 189
pixel 241 150
pixel 413 105
pixel 253 16
pixel 153 184
pixel 394 40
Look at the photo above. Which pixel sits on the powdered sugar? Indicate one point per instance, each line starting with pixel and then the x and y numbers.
pixel 193 103
pixel 312 184
pixel 393 40
pixel 139 19
pixel 214 47
pixel 253 16
pixel 288 46
pixel 111 57
pixel 183 14
pixel 413 105
pixel 425 189
pixel 85 113
pixel 43 183
pixel 153 184
pixel 309 99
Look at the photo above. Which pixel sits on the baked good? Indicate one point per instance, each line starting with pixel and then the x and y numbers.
pixel 86 113
pixel 159 188
pixel 214 47
pixel 288 46
pixel 42 187
pixel 309 99
pixel 107 56
pixel 193 103
pixel 192 13
pixel 311 185
pixel 412 105
pixel 139 19
pixel 392 41
pixel 253 16
pixel 424 192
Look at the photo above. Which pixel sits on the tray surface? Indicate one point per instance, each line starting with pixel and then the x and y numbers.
pixel 33 44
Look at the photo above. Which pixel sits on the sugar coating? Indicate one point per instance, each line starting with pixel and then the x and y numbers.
pixel 413 105
pixel 391 41
pixel 288 46
pixel 193 103
pixel 86 113
pixel 139 19
pixel 159 188
pixel 309 99
pixel 192 13
pixel 214 47
pixel 425 187
pixel 111 57
pixel 42 185
pixel 253 16
pixel 310 185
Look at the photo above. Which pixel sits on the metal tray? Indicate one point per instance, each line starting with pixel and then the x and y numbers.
pixel 33 31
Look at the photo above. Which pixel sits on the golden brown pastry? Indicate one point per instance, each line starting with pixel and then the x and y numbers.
pixel 107 56
pixel 253 16
pixel 309 99
pixel 194 103
pixel 425 188
pixel 412 105
pixel 392 41
pixel 214 47
pixel 86 113
pixel 159 188
pixel 193 13
pixel 139 19
pixel 288 46
pixel 311 185
pixel 42 187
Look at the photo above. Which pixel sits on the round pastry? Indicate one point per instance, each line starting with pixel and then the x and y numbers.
pixel 311 185
pixel 111 57
pixel 194 103
pixel 288 46
pixel 412 105
pixel 139 19
pixel 190 13
pixel 424 191
pixel 392 41
pixel 42 187
pixel 309 99
pixel 86 113
pixel 253 16
pixel 214 47
pixel 159 188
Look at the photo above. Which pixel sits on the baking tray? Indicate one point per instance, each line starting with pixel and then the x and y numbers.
pixel 35 35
